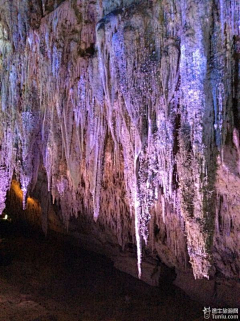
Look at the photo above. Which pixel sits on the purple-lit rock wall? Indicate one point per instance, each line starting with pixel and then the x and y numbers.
pixel 132 109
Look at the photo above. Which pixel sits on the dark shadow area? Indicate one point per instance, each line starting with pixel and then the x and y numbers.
pixel 54 279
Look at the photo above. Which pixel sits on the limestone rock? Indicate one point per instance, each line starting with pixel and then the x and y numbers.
pixel 132 110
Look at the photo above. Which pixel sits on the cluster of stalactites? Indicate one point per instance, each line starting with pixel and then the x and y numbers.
pixel 61 98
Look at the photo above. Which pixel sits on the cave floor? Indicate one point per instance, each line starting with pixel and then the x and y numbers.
pixel 50 279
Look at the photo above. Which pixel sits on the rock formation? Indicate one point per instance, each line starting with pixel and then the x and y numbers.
pixel 131 108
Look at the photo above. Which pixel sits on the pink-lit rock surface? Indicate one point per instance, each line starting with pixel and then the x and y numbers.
pixel 132 111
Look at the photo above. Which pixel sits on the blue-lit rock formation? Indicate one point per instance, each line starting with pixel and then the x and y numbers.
pixel 132 109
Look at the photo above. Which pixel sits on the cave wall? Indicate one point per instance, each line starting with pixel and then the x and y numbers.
pixel 131 109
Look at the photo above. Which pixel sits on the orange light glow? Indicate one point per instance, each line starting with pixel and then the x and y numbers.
pixel 17 190
pixel 31 200
pixel 19 193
